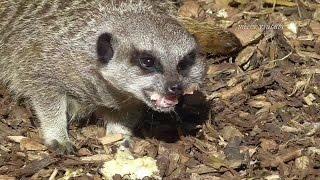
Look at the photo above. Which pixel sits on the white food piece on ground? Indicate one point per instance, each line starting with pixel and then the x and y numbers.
pixel 293 27
pixel 124 164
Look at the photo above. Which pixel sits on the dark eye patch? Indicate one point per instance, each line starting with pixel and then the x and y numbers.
pixel 186 62
pixel 146 61
pixel 104 48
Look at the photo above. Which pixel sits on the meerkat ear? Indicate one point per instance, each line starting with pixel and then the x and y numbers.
pixel 104 47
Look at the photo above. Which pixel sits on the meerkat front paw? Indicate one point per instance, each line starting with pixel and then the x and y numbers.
pixel 66 147
pixel 116 128
pixel 127 142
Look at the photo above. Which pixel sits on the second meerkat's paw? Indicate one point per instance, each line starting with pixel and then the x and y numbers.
pixel 65 148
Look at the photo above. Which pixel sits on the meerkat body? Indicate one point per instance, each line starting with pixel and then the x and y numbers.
pixel 75 57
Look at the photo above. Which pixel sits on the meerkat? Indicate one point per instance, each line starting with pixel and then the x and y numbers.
pixel 72 58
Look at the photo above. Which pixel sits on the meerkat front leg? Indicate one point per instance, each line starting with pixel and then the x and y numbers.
pixel 121 122
pixel 51 111
pixel 118 128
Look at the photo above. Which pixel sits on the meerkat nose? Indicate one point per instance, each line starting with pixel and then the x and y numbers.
pixel 175 88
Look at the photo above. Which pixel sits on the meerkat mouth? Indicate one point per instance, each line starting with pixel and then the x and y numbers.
pixel 161 102
pixel 164 101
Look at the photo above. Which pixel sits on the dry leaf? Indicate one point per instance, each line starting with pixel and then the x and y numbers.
pixel 306 54
pixel 302 162
pixel 246 34
pixel 315 27
pixel 312 151
pixel 259 104
pixel 232 91
pixel 84 152
pixel 281 2
pixel 221 4
pixel 242 1
pixel 309 99
pixel 97 158
pixel 272 177
pixel 5 177
pixel 36 155
pixel 211 38
pixel 217 162
pixel 111 138
pixel 31 145
pixel 189 9
pixel 290 129
pixel 230 132
pixel 216 69
pixel 245 55
pixel 269 145
pixel 16 139
pixel 316 14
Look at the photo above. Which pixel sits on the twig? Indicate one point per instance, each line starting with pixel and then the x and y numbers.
pixel 34 167
pixel 54 174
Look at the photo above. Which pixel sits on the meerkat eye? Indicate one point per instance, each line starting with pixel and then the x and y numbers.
pixel 187 61
pixel 147 62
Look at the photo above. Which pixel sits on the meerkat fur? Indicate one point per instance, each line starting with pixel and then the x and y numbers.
pixel 72 58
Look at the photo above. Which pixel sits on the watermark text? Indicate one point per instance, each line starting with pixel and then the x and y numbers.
pixel 260 26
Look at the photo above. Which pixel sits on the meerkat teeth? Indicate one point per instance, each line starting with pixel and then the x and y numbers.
pixel 167 102
pixel 155 96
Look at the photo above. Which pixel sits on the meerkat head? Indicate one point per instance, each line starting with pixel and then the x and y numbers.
pixel 151 57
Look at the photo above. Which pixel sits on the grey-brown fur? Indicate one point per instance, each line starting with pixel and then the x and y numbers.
pixel 48 55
